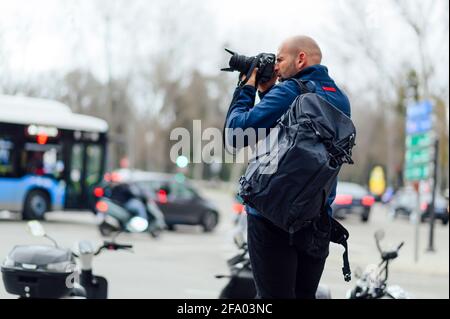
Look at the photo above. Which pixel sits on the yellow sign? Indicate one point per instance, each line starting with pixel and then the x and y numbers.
pixel 377 182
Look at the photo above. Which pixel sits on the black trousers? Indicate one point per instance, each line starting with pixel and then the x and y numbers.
pixel 287 266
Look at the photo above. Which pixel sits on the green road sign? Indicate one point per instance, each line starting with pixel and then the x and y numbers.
pixel 420 156
pixel 419 140
pixel 418 172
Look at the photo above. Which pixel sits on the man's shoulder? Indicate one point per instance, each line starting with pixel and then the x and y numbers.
pixel 289 86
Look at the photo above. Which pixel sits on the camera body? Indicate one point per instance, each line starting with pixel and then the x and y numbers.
pixel 265 62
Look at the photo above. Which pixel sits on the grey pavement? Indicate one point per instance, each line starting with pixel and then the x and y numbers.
pixel 182 264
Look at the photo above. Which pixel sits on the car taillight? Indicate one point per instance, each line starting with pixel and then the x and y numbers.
pixel 162 196
pixel 424 207
pixel 101 207
pixel 238 208
pixel 368 201
pixel 343 199
pixel 99 192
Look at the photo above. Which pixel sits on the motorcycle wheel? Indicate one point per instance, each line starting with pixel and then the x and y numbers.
pixel 155 233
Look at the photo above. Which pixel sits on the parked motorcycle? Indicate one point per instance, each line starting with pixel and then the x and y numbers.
pixel 51 272
pixel 372 283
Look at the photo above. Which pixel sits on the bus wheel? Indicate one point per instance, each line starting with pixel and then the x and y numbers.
pixel 37 204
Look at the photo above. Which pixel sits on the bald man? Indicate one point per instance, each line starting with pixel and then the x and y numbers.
pixel 286 266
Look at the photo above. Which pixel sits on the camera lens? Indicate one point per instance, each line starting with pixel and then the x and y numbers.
pixel 241 63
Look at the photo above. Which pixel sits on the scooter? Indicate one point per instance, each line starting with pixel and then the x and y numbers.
pixel 113 217
pixel 372 283
pixel 51 272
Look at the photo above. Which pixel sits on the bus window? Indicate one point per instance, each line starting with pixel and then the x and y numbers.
pixel 45 161
pixel 35 163
pixel 7 167
pixel 53 164
pixel 94 165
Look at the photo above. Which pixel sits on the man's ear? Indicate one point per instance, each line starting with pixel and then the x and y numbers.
pixel 301 60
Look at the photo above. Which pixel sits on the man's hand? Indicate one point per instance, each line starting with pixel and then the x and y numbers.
pixel 252 80
pixel 263 87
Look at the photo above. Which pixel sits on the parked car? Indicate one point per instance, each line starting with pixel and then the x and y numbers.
pixel 440 209
pixel 405 201
pixel 178 199
pixel 352 198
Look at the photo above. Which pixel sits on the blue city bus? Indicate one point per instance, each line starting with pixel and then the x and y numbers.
pixel 50 157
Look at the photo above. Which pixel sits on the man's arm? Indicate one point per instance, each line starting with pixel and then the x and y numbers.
pixel 331 198
pixel 274 104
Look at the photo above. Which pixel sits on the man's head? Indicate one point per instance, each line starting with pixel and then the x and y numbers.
pixel 295 54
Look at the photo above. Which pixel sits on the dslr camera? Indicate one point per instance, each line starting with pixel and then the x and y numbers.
pixel 265 62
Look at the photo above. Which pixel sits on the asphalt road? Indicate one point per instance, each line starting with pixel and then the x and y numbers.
pixel 182 264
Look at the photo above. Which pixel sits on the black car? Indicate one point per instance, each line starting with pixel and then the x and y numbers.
pixel 440 209
pixel 177 198
pixel 352 199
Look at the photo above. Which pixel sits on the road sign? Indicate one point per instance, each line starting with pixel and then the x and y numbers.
pixel 419 125
pixel 420 156
pixel 419 140
pixel 418 172
pixel 419 110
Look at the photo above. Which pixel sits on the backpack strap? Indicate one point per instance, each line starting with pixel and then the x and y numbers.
pixel 303 87
pixel 340 235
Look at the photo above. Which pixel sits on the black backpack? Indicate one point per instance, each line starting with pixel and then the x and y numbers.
pixel 314 140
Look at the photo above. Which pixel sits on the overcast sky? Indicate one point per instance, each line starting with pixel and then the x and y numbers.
pixel 46 35
pixel 35 42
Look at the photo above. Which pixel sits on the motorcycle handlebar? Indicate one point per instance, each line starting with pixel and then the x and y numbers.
pixel 116 246
pixel 389 255
pixel 113 246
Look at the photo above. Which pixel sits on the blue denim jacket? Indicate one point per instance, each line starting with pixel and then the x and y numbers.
pixel 243 112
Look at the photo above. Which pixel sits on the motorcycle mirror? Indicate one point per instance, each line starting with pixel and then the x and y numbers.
pixel 36 228
pixel 137 225
pixel 379 234
pixel 358 272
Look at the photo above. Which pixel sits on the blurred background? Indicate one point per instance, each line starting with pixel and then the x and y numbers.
pixel 150 66
pixel 146 67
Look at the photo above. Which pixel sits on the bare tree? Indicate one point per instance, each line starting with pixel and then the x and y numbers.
pixel 388 59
